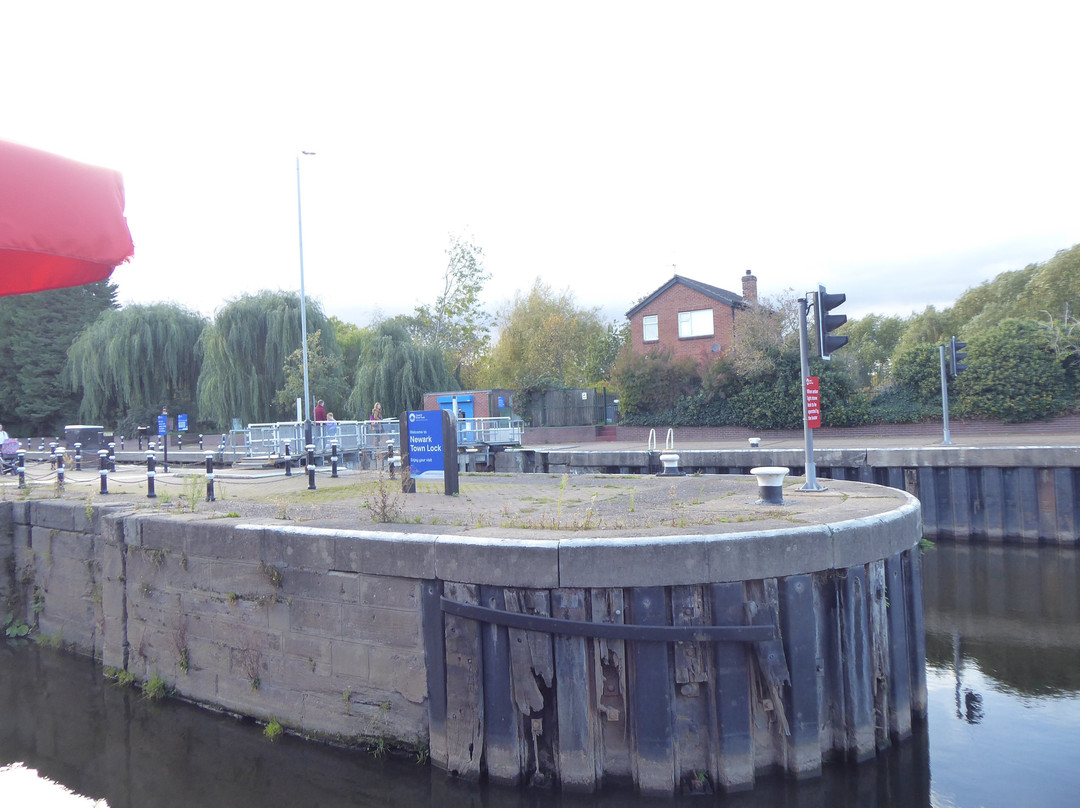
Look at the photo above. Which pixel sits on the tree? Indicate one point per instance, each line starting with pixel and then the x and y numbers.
pixel 603 350
pixel 396 372
pixel 244 352
pixel 654 383
pixel 349 339
pixel 543 342
pixel 326 377
pixel 457 324
pixel 873 340
pixel 1011 375
pixel 916 371
pixel 131 362
pixel 763 334
pixel 36 331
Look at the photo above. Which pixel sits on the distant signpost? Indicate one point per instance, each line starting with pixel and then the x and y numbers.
pixel 429 440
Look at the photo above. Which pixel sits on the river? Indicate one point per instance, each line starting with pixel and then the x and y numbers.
pixel 1003 728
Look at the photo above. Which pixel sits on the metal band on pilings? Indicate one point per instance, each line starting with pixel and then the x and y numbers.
pixel 611 631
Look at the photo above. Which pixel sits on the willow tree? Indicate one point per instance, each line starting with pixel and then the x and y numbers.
pixel 396 372
pixel 244 353
pixel 131 362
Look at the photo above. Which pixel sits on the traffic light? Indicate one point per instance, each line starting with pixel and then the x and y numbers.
pixel 957 356
pixel 826 323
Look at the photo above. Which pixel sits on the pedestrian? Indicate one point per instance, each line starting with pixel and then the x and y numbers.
pixel 3 434
pixel 376 412
pixel 320 411
pixel 331 424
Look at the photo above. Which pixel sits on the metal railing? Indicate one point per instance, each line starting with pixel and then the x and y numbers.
pixel 269 440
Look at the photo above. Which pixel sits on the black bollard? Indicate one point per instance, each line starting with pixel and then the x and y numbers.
pixel 288 461
pixel 121 443
pixel 112 456
pixel 150 472
pixel 22 468
pixel 59 458
pixel 390 457
pixel 78 457
pixel 311 467
pixel 179 441
pixel 333 459
pixel 103 469
pixel 209 476
pixel 52 455
pixel 200 442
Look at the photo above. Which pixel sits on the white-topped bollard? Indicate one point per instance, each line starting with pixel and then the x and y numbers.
pixel 770 483
pixel 669 465
pixel 754 442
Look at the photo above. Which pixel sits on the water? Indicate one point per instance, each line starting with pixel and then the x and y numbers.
pixel 1003 664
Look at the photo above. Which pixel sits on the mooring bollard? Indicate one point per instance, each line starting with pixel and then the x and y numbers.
pixel 390 457
pixel 103 469
pixel 121 443
pixel 150 472
pixel 669 462
pixel 200 442
pixel 310 466
pixel 209 476
pixel 770 484
pixel 22 468
pixel 112 456
pixel 180 442
pixel 288 461
pixel 59 459
pixel 78 457
pixel 333 458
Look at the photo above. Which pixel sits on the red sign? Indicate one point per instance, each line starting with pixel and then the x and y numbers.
pixel 813 402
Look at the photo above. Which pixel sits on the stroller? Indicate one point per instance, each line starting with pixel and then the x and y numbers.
pixel 9 453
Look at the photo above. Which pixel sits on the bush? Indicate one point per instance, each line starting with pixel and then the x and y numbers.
pixel 1011 376
pixel 653 383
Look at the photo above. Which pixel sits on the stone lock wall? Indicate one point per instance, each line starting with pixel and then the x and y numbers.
pixel 347 634
pixel 267 622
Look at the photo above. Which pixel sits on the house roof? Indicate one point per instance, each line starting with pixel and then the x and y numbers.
pixel 715 292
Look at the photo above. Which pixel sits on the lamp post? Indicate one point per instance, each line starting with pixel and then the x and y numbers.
pixel 303 307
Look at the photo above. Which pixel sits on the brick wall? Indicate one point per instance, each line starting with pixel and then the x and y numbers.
pixel 667 307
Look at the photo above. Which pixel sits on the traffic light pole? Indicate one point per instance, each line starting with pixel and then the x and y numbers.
pixel 945 399
pixel 811 483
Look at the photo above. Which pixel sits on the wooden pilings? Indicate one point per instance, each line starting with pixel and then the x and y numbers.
pixel 835 672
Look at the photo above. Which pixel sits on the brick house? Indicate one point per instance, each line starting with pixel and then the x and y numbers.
pixel 691 318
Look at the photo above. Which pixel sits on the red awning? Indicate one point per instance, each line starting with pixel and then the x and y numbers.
pixel 61 222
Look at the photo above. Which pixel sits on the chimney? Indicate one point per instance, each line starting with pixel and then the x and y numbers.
pixel 749 289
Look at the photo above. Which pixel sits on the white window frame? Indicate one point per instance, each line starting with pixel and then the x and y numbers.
pixel 650 328
pixel 696 323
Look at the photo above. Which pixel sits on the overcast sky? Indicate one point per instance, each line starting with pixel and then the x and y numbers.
pixel 899 153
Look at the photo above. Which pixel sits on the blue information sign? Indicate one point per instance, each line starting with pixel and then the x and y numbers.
pixel 163 424
pixel 181 423
pixel 426 444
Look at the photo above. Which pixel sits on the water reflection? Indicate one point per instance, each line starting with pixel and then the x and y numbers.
pixel 1003 644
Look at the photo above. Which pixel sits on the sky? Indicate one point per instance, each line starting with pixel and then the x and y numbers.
pixel 898 153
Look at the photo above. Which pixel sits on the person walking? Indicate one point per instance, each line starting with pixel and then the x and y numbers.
pixel 320 411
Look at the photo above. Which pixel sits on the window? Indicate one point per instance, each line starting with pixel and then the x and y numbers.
pixel 650 327
pixel 695 323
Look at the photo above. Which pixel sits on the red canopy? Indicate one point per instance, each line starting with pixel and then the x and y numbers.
pixel 61 222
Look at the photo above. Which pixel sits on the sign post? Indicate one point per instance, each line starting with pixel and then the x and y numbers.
pixel 811 483
pixel 163 433
pixel 813 402
pixel 429 446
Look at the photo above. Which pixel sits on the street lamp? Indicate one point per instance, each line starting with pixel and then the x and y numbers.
pixel 303 307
